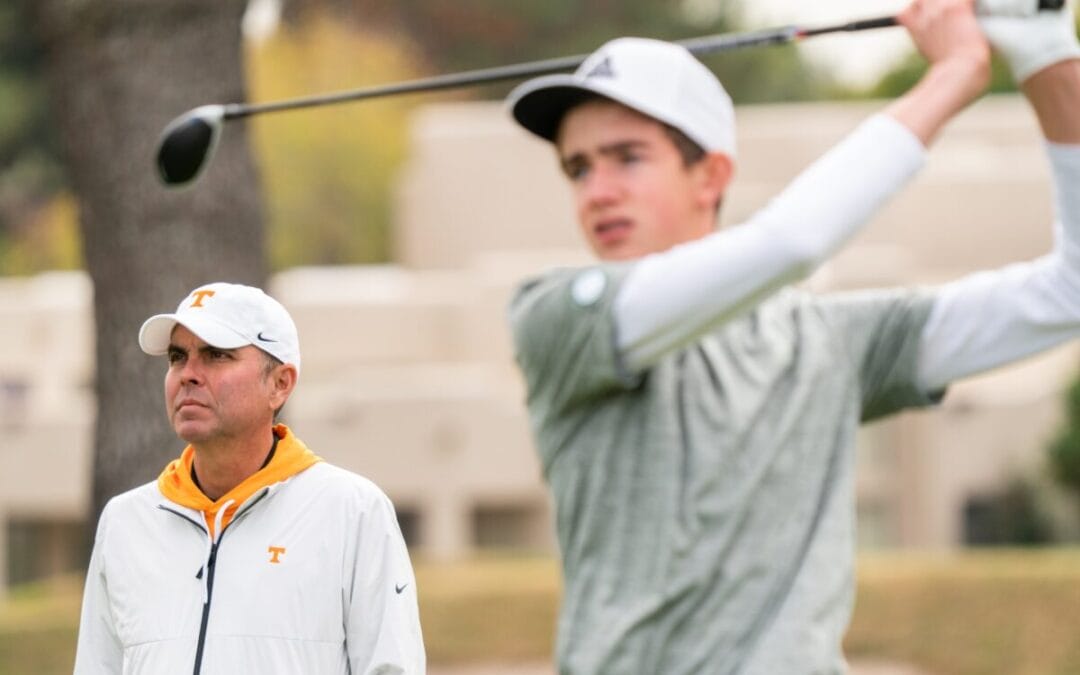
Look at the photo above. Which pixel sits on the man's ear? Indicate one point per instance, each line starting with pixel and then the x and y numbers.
pixel 716 171
pixel 282 381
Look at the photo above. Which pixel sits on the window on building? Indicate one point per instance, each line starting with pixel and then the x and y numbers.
pixel 14 396
pixel 1009 517
pixel 409 521
pixel 42 548
pixel 521 527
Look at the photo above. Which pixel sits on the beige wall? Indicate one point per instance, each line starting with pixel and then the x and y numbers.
pixel 408 375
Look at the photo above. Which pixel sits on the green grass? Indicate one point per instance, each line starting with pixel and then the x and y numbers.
pixel 38 625
pixel 498 608
pixel 972 614
pixel 968 614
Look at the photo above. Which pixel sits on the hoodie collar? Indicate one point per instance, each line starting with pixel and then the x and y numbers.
pixel 177 485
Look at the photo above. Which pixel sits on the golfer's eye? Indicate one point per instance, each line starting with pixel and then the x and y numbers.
pixel 575 170
pixel 629 157
pixel 218 354
pixel 175 356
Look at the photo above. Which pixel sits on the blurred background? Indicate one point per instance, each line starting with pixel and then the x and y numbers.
pixel 395 231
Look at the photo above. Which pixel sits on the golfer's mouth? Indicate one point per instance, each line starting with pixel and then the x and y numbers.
pixel 189 403
pixel 610 231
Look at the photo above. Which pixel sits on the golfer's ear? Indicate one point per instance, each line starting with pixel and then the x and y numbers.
pixel 716 170
pixel 283 381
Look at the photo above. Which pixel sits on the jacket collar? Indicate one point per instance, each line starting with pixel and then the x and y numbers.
pixel 176 484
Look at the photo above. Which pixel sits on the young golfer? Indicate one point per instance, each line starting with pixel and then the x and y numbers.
pixel 249 554
pixel 694 413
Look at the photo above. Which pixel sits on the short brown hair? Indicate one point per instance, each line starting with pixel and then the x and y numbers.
pixel 690 151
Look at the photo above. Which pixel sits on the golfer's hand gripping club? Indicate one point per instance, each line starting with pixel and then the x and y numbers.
pixel 189 140
pixel 1032 41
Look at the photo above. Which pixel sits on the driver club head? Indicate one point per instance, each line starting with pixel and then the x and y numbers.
pixel 187 143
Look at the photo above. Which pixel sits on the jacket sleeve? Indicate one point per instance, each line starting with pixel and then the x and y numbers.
pixel 382 631
pixel 99 651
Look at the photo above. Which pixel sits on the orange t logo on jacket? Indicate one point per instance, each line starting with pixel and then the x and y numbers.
pixel 275 553
pixel 200 296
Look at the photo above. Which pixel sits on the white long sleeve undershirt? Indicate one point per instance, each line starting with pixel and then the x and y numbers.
pixel 977 322
pixel 670 298
pixel 991 318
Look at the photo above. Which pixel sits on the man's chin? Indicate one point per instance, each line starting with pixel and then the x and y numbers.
pixel 192 433
pixel 617 253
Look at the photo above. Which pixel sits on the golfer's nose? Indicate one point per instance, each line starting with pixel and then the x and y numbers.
pixel 601 187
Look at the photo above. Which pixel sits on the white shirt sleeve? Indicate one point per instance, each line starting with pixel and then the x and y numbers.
pixel 671 298
pixel 382 621
pixel 991 318
pixel 99 651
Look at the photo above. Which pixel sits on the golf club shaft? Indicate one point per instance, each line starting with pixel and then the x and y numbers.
pixel 698 46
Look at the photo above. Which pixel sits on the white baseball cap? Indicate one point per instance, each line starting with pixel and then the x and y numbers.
pixel 227 316
pixel 659 79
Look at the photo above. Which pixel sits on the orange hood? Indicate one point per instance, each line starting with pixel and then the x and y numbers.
pixel 175 482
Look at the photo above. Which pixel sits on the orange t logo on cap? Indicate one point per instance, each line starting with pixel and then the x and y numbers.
pixel 200 296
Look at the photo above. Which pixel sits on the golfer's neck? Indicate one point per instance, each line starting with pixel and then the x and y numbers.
pixel 221 466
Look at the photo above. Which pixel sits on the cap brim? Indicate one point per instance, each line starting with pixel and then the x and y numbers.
pixel 539 104
pixel 156 333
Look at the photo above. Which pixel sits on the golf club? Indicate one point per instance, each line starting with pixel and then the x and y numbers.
pixel 189 140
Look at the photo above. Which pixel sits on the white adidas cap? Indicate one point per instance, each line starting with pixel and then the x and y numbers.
pixel 227 316
pixel 659 79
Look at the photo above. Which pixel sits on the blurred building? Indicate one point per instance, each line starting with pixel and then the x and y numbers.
pixel 409 375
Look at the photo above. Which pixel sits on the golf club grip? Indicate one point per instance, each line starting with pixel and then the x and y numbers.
pixel 886 21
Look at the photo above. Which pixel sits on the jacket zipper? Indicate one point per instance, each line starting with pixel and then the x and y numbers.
pixel 211 565
pixel 207 569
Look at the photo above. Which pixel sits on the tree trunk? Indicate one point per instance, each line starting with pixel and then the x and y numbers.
pixel 118 71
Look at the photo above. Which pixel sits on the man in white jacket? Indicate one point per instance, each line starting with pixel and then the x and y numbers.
pixel 695 415
pixel 248 554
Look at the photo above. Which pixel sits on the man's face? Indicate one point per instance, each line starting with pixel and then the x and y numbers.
pixel 217 394
pixel 632 192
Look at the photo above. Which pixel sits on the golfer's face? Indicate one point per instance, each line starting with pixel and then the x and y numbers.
pixel 215 394
pixel 632 193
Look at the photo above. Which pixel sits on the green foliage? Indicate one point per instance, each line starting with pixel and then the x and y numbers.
pixel 24 124
pixel 1012 516
pixel 48 240
pixel 461 34
pixel 328 173
pixel 21 102
pixel 907 73
pixel 476 33
pixel 31 179
pixel 768 75
pixel 1064 451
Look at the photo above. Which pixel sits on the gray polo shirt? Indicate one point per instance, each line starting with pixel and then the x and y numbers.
pixel 705 507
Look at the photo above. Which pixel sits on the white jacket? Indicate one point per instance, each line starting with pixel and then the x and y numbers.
pixel 308 575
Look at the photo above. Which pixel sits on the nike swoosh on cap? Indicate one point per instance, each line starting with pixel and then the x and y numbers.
pixel 263 338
